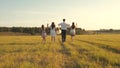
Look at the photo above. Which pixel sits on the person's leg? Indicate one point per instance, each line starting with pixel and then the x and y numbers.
pixel 72 38
pixel 62 34
pixel 51 38
pixel 54 38
pixel 44 39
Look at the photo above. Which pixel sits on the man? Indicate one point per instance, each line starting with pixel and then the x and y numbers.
pixel 63 29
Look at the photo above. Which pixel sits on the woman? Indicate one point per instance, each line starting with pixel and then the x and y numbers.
pixel 72 31
pixel 43 33
pixel 53 31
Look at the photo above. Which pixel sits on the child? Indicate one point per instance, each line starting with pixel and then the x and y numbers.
pixel 43 33
pixel 72 31
pixel 53 31
pixel 58 31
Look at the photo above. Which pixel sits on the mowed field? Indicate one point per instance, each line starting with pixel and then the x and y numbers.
pixel 86 51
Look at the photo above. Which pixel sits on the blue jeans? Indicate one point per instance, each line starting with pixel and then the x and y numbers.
pixel 63 35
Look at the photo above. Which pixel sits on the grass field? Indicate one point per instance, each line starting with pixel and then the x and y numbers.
pixel 86 51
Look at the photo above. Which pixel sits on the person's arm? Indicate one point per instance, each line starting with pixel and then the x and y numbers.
pixel 59 24
pixel 76 26
pixel 68 25
pixel 55 29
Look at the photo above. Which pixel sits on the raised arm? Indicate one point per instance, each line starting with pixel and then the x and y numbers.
pixel 68 25
pixel 59 24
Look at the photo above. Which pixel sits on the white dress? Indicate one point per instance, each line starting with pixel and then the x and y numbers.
pixel 44 34
pixel 52 32
pixel 72 32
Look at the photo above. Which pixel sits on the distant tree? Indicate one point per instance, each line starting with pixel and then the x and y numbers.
pixel 78 30
pixel 4 29
pixel 14 29
pixel 110 29
pixel 26 30
pixel 21 29
pixel 1 29
pixel 32 31
pixel 37 30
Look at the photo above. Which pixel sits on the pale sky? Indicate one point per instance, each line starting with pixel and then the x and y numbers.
pixel 88 14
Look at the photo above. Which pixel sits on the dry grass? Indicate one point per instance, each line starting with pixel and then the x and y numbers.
pixel 86 51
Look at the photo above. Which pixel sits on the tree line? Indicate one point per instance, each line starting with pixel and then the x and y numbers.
pixel 35 30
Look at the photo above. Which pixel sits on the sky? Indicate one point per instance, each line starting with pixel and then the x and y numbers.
pixel 88 14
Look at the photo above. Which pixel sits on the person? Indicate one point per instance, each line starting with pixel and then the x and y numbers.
pixel 58 31
pixel 72 31
pixel 53 31
pixel 43 34
pixel 63 29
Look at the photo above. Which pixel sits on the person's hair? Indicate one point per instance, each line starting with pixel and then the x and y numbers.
pixel 73 25
pixel 63 19
pixel 53 25
pixel 42 27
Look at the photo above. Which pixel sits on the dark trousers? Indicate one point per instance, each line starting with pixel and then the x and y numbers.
pixel 63 35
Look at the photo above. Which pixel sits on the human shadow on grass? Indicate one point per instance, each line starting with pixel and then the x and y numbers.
pixel 64 50
pixel 73 62
pixel 81 51
pixel 77 56
pixel 78 48
pixel 103 46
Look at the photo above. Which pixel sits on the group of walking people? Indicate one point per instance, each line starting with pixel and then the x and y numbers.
pixel 53 31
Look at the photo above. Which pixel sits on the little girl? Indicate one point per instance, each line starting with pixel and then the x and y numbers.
pixel 43 33
pixel 53 31
pixel 72 31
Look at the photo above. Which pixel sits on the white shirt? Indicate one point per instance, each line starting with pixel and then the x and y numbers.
pixel 64 25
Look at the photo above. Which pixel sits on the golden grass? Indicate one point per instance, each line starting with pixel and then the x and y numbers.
pixel 86 51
